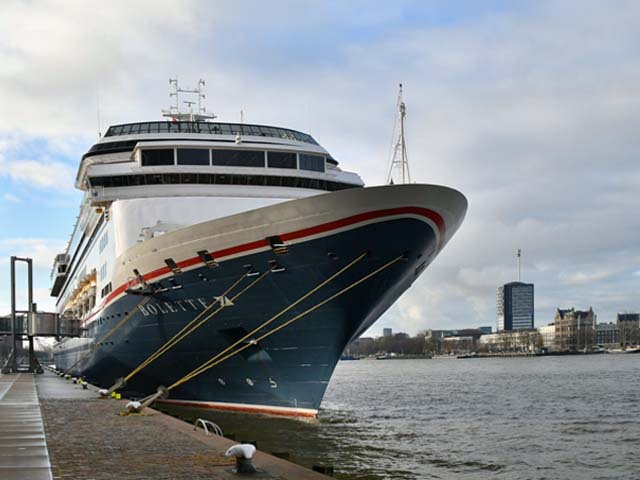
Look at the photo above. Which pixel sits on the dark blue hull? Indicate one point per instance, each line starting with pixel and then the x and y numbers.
pixel 289 369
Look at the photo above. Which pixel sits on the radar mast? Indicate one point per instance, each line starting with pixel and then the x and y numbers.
pixel 175 111
pixel 399 160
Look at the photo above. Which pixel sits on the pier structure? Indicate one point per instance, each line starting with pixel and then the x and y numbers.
pixel 27 324
pixel 53 428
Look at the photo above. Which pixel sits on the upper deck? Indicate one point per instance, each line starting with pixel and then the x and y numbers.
pixel 197 153
pixel 209 128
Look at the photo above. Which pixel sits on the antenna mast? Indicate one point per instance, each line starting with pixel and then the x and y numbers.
pixel 519 260
pixel 400 160
pixel 177 114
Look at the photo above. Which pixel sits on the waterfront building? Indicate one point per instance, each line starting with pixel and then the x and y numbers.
pixel 510 341
pixel 387 332
pixel 459 344
pixel 607 335
pixel 575 329
pixel 485 330
pixel 547 336
pixel 515 306
pixel 629 326
pixel 434 340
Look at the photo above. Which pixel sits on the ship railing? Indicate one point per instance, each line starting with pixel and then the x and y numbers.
pixel 209 427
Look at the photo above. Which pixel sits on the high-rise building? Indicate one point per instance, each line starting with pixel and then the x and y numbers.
pixel 515 306
pixel 387 332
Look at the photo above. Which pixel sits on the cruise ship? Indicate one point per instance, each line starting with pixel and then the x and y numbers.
pixel 233 262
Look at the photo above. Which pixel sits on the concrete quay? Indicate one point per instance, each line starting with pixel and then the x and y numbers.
pixel 51 429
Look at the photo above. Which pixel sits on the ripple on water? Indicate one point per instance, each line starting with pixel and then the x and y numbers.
pixel 485 419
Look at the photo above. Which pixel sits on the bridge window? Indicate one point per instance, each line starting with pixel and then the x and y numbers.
pixel 154 179
pixel 209 128
pixel 193 156
pixel 189 178
pixel 314 163
pixel 238 158
pixel 218 179
pixel 281 160
pixel 158 156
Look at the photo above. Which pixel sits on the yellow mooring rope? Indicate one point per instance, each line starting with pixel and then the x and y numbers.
pixel 216 360
pixel 192 326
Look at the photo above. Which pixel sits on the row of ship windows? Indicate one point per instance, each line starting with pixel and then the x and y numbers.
pixel 231 158
pixel 209 128
pixel 106 290
pixel 103 272
pixel 104 241
pixel 217 179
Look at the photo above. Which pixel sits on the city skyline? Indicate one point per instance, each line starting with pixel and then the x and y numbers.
pixel 528 109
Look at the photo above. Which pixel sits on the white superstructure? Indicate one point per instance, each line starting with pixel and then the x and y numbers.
pixel 142 180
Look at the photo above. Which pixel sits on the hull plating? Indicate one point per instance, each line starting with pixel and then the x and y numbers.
pixel 289 369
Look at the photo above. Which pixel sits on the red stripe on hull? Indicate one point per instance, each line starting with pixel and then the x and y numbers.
pixel 297 234
pixel 363 217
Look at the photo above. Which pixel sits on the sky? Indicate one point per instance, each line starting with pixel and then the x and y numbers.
pixel 531 109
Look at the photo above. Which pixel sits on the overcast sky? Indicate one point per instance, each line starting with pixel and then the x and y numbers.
pixel 531 109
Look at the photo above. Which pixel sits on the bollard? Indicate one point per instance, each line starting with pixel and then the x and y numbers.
pixel 243 453
pixel 139 406
pixel 120 383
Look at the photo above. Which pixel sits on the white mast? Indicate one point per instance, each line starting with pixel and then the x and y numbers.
pixel 174 111
pixel 399 160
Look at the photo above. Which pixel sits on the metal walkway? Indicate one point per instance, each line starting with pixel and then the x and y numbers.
pixel 23 446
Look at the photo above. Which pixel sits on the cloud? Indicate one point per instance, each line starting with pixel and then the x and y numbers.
pixel 530 110
pixel 37 162
pixel 45 175
pixel 75 52
pixel 581 278
pixel 41 250
pixel 9 197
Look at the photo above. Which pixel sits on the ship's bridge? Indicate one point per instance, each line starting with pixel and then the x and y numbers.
pixel 198 154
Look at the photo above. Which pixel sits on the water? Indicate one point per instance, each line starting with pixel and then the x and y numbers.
pixel 515 418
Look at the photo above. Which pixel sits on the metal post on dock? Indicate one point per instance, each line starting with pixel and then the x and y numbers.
pixel 12 362
pixel 10 365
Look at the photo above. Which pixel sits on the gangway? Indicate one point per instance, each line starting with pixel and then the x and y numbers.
pixel 27 324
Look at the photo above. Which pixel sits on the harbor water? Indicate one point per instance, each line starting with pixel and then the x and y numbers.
pixel 572 417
